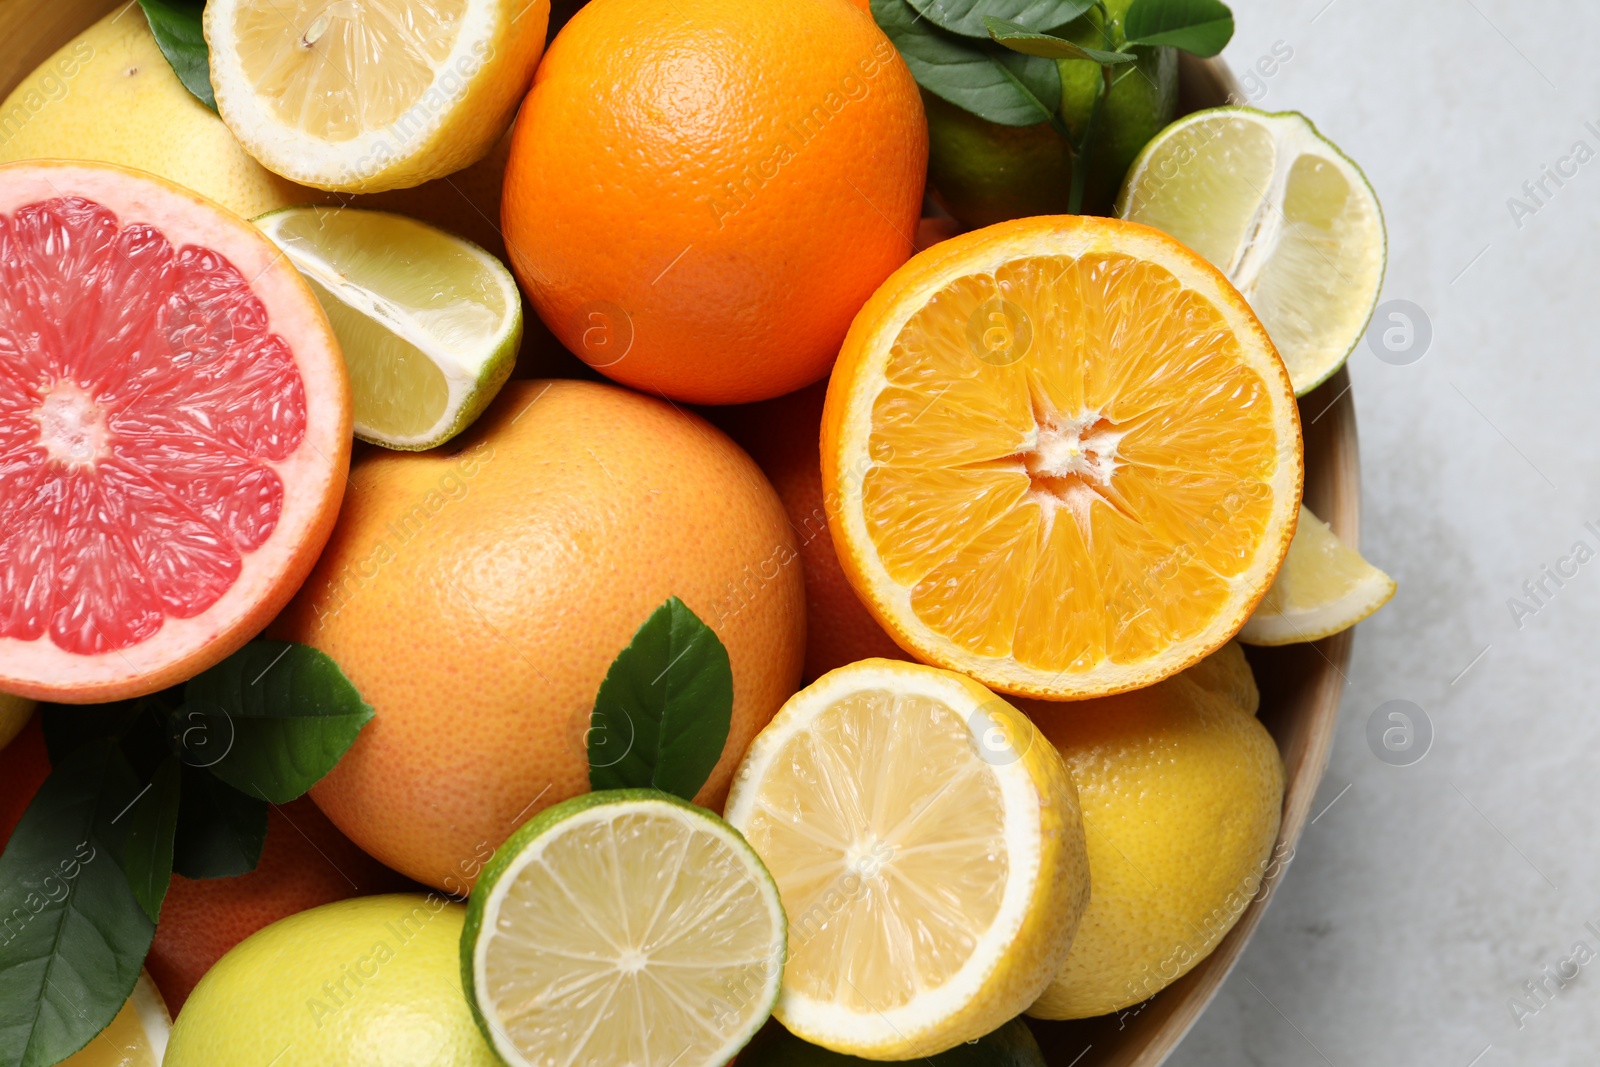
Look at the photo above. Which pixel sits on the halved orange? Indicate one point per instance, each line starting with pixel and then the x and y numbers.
pixel 1060 455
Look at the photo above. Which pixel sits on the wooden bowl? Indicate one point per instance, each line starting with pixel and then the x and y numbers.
pixel 1300 684
pixel 1300 690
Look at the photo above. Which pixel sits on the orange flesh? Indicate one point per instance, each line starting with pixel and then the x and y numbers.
pixel 1072 461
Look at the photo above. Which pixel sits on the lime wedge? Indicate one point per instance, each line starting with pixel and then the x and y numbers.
pixel 429 323
pixel 1283 213
pixel 1323 587
pixel 623 927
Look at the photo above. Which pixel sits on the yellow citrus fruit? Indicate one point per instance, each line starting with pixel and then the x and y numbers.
pixel 477 594
pixel 110 96
pixel 1182 790
pixel 137 1037
pixel 386 94
pixel 1061 455
pixel 369 982
pixel 927 847
pixel 1324 586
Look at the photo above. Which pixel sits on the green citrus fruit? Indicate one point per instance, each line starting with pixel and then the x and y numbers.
pixel 984 173
pixel 369 982
pixel 1012 1045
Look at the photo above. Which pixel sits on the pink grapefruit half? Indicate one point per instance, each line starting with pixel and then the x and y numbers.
pixel 174 432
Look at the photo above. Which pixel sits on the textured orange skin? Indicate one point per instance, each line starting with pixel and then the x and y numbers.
pixel 781 436
pixel 306 862
pixel 675 112
pixel 482 638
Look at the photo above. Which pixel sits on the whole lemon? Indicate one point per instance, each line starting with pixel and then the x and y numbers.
pixel 1182 791
pixel 369 982
pixel 722 183
pixel 476 596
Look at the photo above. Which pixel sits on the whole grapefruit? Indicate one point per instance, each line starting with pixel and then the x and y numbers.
pixel 476 595
pixel 306 862
pixel 782 436
pixel 175 416
pixel 702 193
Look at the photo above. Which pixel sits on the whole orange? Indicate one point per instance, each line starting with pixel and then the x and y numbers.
pixel 781 435
pixel 477 594
pixel 305 862
pixel 702 193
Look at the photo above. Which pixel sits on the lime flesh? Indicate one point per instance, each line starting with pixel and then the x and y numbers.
pixel 429 323
pixel 1283 213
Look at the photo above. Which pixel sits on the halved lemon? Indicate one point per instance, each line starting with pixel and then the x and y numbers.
pixel 429 323
pixel 1283 213
pixel 1325 586
pixel 363 95
pixel 929 850
pixel 623 927
pixel 1060 455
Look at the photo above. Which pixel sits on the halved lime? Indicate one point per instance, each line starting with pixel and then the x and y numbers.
pixel 429 323
pixel 623 927
pixel 1283 213
pixel 1323 587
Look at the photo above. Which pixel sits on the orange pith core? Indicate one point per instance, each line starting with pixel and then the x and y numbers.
pixel 1071 462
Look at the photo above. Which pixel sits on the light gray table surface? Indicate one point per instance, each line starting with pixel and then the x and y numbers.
pixel 1423 898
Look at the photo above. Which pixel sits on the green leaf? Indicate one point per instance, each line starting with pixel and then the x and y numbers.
pixel 270 720
pixel 993 83
pixel 153 825
pixel 1019 39
pixel 72 932
pixel 1200 27
pixel 663 711
pixel 220 830
pixel 175 24
pixel 967 17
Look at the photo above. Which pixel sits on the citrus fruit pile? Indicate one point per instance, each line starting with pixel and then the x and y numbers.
pixel 563 555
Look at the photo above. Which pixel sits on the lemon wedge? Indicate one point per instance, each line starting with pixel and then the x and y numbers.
pixel 1324 587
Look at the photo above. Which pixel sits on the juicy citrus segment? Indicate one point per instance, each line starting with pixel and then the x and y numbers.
pixel 1078 456
pixel 143 417
pixel 1281 211
pixel 1324 587
pixel 927 851
pixel 163 459
pixel 381 94
pixel 357 67
pixel 624 927
pixel 429 323
pixel 137 1037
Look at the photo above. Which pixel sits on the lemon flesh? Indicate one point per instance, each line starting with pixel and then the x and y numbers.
pixel 429 323
pixel 929 851
pixel 623 927
pixel 1283 213
pixel 1325 586
pixel 137 1037
pixel 371 95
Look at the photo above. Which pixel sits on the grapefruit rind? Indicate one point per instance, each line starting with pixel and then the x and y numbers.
pixel 312 475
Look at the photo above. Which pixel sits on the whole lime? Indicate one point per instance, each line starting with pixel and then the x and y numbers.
pixel 983 173
pixel 370 982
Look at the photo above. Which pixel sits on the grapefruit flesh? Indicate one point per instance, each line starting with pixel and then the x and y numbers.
pixel 174 432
